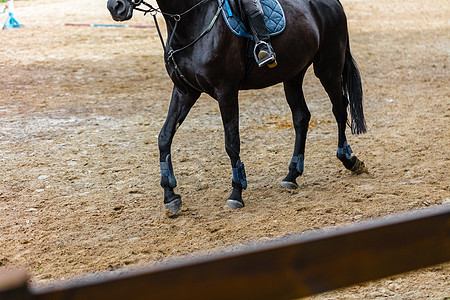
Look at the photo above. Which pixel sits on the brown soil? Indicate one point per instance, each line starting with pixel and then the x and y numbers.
pixel 81 108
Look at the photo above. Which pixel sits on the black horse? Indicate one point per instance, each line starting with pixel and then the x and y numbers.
pixel 203 56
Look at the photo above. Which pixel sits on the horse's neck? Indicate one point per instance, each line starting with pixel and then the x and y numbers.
pixel 176 6
pixel 192 23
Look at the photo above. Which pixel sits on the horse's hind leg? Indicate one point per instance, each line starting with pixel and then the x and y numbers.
pixel 180 106
pixel 332 82
pixel 300 117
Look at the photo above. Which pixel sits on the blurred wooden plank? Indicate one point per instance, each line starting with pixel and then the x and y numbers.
pixel 304 266
pixel 13 285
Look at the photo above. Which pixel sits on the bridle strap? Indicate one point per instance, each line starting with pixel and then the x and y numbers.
pixel 207 29
pixel 177 18
pixel 159 33
pixel 151 9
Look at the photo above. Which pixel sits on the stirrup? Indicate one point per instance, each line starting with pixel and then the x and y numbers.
pixel 265 57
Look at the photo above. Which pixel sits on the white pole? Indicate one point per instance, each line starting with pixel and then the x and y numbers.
pixel 10 4
pixel 11 22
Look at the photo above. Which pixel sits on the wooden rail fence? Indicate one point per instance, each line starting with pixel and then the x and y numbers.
pixel 289 268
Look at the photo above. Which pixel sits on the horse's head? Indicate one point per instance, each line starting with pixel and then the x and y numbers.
pixel 122 10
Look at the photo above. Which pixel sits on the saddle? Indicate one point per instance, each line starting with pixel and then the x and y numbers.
pixel 234 17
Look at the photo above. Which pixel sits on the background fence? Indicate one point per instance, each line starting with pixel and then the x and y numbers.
pixel 294 267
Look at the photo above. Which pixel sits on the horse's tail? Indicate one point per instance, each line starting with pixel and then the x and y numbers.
pixel 352 87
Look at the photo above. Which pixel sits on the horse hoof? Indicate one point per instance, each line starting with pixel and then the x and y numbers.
pixel 359 167
pixel 289 185
pixel 233 204
pixel 173 207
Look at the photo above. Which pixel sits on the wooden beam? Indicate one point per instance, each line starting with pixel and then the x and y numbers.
pixel 13 285
pixel 302 266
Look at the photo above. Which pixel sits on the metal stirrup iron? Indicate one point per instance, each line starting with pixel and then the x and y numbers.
pixel 264 57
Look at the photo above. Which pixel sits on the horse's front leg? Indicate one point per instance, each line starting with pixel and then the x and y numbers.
pixel 229 110
pixel 180 106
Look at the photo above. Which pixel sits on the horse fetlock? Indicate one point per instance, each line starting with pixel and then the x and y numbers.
pixel 290 181
pixel 167 176
pixel 169 195
pixel 346 151
pixel 348 163
pixel 297 164
pixel 172 202
pixel 236 194
pixel 344 154
pixel 353 164
pixel 239 174
pixel 295 170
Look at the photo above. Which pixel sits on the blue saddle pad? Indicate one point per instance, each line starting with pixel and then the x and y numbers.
pixel 273 17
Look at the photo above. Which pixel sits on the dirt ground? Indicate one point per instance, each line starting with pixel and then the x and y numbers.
pixel 81 108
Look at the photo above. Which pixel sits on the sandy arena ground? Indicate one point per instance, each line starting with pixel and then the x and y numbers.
pixel 81 108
